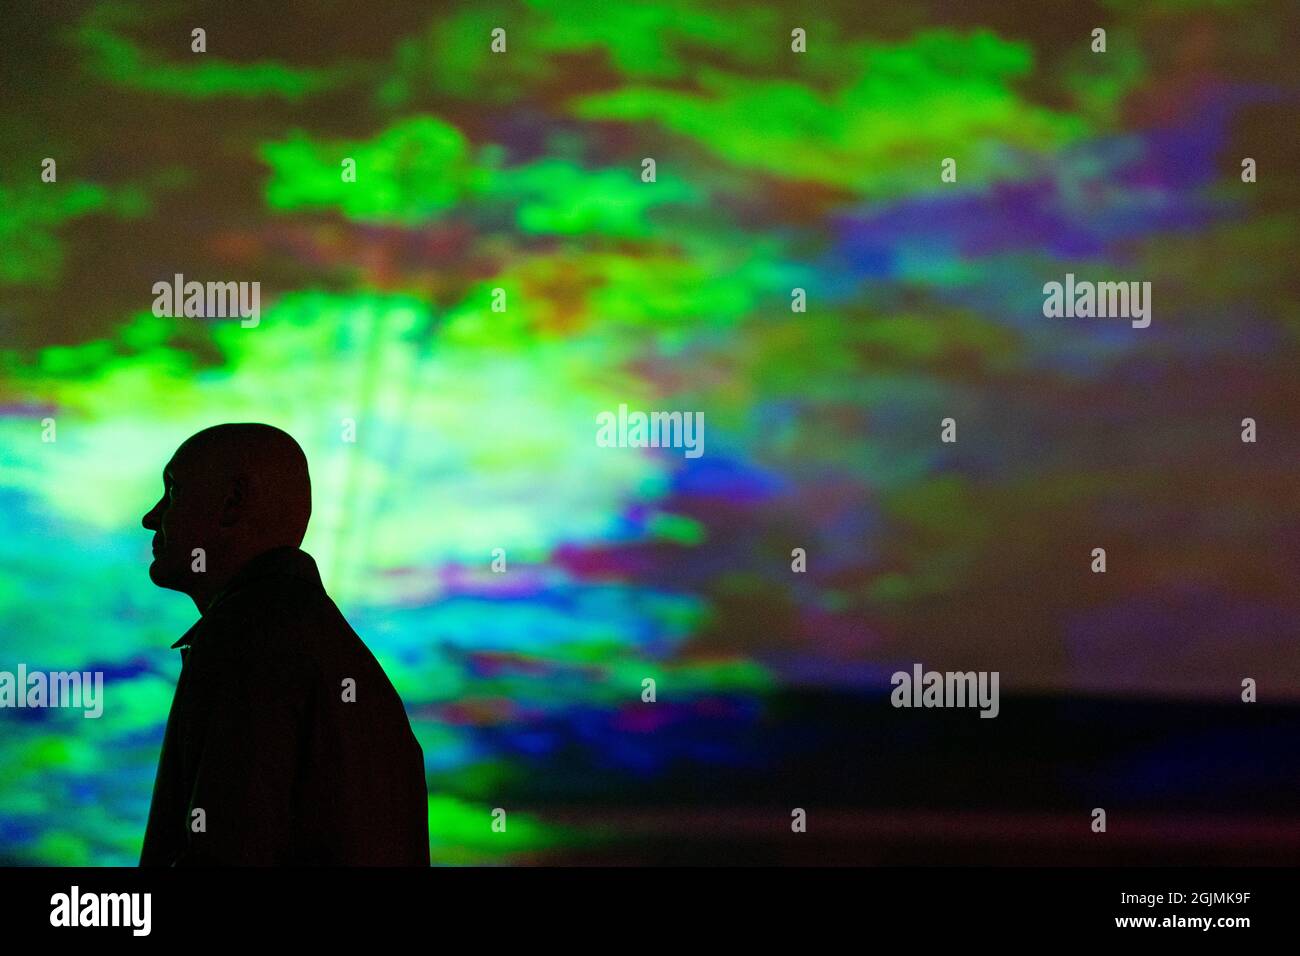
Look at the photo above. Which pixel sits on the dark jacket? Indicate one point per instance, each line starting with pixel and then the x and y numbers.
pixel 263 738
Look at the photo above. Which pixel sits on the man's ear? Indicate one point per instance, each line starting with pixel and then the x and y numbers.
pixel 236 499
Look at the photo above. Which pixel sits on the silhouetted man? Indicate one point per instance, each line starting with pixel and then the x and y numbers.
pixel 286 743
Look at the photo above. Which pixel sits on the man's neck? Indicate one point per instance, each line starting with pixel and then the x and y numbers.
pixel 215 584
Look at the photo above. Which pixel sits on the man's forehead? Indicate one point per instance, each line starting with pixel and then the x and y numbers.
pixel 182 459
pixel 195 455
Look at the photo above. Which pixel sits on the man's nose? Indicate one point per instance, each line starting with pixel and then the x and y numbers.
pixel 149 521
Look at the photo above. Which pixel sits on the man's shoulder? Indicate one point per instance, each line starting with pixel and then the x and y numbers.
pixel 263 617
pixel 284 617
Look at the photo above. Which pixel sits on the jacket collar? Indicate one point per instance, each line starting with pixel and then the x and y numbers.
pixel 286 561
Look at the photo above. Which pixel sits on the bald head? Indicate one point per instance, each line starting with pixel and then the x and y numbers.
pixel 233 491
pixel 266 465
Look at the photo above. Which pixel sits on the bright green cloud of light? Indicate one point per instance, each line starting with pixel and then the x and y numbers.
pixel 32 213
pixel 904 108
pixel 118 59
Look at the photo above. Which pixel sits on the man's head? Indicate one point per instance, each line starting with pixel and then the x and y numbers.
pixel 235 491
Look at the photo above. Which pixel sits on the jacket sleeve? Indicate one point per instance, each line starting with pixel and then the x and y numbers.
pixel 249 762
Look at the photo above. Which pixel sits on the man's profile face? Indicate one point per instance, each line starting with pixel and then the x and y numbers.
pixel 184 518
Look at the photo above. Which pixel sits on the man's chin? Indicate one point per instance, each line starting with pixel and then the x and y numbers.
pixel 161 575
